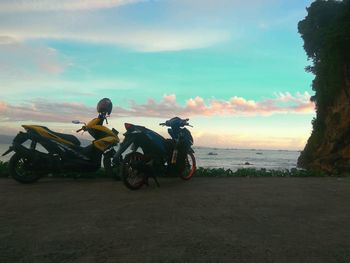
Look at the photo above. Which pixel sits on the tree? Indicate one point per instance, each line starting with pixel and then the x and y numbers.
pixel 326 35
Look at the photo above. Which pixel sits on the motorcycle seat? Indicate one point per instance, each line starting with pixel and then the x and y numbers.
pixel 67 137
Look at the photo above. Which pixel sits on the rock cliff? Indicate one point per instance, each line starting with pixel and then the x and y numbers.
pixel 332 153
pixel 326 35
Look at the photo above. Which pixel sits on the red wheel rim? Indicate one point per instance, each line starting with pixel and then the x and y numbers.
pixel 193 168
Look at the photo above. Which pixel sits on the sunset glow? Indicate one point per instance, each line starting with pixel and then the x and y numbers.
pixel 235 68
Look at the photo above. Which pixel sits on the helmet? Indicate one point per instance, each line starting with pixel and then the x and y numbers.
pixel 105 106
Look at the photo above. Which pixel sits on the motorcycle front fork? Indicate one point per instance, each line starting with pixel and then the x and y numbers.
pixel 118 158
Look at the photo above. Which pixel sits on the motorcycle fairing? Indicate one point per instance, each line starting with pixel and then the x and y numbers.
pixel 95 121
pixel 185 133
pixel 59 137
pixel 154 137
pixel 106 142
pixel 176 122
pixel 157 139
pixel 63 156
pixel 98 131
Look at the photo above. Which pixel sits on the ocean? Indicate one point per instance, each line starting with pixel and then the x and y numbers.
pixel 246 158
pixel 232 158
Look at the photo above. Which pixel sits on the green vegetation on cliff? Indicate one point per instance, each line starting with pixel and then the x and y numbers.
pixel 326 35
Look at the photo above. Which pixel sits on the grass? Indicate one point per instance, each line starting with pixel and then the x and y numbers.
pixel 252 172
pixel 201 172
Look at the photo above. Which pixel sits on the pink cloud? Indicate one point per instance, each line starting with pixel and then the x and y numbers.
pixel 170 98
pixel 3 106
pixel 42 110
pixel 235 106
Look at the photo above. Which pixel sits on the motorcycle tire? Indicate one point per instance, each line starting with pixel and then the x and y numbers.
pixel 132 178
pixel 190 167
pixel 17 170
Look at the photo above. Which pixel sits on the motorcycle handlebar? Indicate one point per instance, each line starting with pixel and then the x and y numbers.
pixel 81 129
pixel 186 124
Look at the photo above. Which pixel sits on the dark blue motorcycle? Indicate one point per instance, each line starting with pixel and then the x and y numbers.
pixel 158 155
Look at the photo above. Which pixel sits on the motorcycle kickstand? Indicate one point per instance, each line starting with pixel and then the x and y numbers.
pixel 146 181
pixel 154 178
pixel 152 172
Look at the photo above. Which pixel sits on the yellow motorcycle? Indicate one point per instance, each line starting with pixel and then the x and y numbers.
pixel 40 151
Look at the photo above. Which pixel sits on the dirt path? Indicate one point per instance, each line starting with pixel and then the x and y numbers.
pixel 204 220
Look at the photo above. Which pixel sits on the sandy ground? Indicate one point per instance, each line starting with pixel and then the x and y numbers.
pixel 204 220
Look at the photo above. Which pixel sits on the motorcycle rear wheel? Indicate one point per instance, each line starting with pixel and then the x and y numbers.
pixel 190 169
pixel 132 178
pixel 18 172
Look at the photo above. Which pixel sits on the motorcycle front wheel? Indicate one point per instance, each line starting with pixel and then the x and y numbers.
pixel 18 170
pixel 132 177
pixel 107 165
pixel 110 168
pixel 190 167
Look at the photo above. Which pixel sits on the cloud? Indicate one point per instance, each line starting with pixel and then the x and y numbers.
pixel 107 27
pixel 151 26
pixel 24 61
pixel 46 111
pixel 61 5
pixel 220 7
pixel 235 106
pixel 42 110
pixel 6 40
pixel 158 40
pixel 140 39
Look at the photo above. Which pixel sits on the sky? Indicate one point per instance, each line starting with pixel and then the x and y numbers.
pixel 235 68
